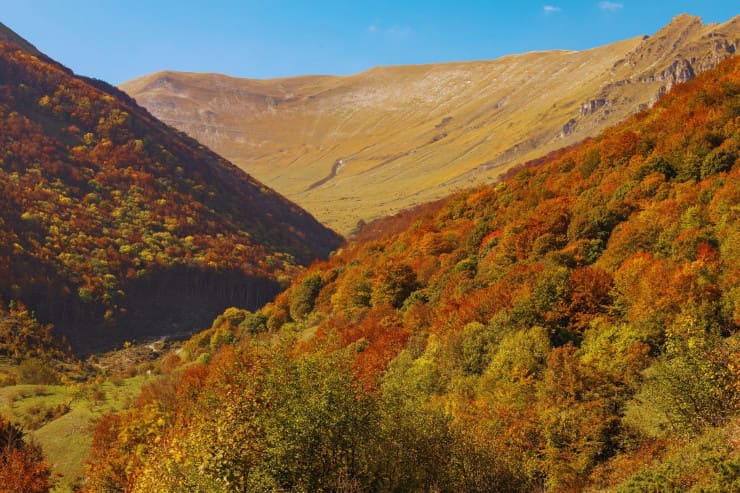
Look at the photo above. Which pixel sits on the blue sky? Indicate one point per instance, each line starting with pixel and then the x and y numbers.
pixel 116 40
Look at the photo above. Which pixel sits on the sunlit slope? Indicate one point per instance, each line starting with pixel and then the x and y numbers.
pixel 572 328
pixel 361 146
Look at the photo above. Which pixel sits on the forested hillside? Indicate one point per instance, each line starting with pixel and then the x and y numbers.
pixel 572 328
pixel 114 225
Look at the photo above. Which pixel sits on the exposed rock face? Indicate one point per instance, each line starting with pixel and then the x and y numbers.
pixel 662 91
pixel 722 48
pixel 413 134
pixel 569 127
pixel 678 72
pixel 694 47
pixel 592 106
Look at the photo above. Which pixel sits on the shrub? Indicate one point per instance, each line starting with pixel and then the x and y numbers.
pixel 37 372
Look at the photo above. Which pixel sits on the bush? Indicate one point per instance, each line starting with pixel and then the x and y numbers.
pixel 37 372
pixel 693 385
pixel 656 164
pixel 393 285
pixel 708 465
pixel 22 465
pixel 6 380
pixel 475 343
pixel 253 323
pixel 40 414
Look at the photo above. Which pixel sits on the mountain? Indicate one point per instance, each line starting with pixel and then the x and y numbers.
pixel 7 35
pixel 114 225
pixel 367 145
pixel 575 327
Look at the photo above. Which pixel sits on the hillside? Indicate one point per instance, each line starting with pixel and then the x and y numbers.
pixel 114 225
pixel 367 145
pixel 572 328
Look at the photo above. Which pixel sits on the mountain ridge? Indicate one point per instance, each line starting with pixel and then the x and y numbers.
pixel 115 225
pixel 387 138
pixel 10 36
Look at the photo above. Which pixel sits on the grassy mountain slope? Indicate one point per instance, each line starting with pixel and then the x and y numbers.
pixel 370 144
pixel 114 225
pixel 572 328
pixel 63 416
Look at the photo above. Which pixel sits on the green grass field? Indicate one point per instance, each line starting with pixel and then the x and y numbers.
pixel 66 438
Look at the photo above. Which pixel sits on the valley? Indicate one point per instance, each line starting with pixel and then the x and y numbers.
pixel 573 327
pixel 538 291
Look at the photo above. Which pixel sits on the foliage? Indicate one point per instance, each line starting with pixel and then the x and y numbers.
pixel 556 332
pixel 710 464
pixel 22 466
pixel 22 336
pixel 38 372
pixel 109 218
pixel 304 297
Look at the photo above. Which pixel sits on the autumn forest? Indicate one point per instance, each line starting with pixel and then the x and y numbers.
pixel 571 327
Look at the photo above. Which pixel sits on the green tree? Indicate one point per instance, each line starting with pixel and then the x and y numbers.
pixel 302 299
pixel 319 426
pixel 694 384
pixel 415 438
pixel 393 285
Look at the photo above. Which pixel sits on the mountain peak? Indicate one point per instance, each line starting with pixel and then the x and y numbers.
pixel 684 18
pixel 416 132
pixel 680 26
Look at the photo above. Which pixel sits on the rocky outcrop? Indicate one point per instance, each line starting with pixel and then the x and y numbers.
pixel 722 48
pixel 678 72
pixel 592 106
pixel 569 127
pixel 614 85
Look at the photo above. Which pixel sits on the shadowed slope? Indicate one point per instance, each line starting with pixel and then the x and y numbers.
pixel 114 225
